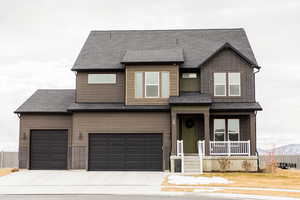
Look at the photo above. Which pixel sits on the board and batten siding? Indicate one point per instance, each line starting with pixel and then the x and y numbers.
pixel 112 93
pixel 228 61
pixel 118 122
pixel 130 83
pixel 30 122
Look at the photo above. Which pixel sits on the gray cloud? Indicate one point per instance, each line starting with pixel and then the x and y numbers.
pixel 41 39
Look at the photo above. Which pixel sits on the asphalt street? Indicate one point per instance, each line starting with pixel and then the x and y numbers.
pixel 108 197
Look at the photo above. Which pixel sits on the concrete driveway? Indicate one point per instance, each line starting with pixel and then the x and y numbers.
pixel 81 177
pixel 80 182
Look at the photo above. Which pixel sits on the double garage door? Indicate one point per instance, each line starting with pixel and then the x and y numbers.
pixel 106 152
pixel 124 151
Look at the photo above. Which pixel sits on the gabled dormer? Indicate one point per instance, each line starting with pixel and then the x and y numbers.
pixel 152 76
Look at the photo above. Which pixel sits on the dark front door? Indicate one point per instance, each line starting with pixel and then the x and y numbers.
pixel 192 130
pixel 125 151
pixel 48 149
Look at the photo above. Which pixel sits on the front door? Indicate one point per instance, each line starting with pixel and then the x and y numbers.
pixel 190 134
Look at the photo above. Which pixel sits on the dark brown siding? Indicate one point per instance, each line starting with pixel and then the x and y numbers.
pixel 122 122
pixel 39 122
pixel 99 92
pixel 130 93
pixel 228 61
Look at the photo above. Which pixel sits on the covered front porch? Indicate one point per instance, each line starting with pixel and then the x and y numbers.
pixel 195 129
pixel 198 132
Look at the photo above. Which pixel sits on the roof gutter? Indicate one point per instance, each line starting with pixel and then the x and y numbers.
pixel 258 69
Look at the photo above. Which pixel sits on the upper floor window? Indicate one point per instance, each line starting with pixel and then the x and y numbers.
pixel 234 84
pixel 189 75
pixel 165 77
pixel 152 84
pixel 220 84
pixel 102 78
pixel 138 77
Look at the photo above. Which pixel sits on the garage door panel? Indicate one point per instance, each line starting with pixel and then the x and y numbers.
pixel 48 149
pixel 134 152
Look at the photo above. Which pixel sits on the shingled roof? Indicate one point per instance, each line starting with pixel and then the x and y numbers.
pixel 48 101
pixel 106 49
pixel 154 56
pixel 190 98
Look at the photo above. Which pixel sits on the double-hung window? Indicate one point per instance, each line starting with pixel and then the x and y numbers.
pixel 220 84
pixel 219 129
pixel 234 84
pixel 229 126
pixel 152 84
pixel 233 129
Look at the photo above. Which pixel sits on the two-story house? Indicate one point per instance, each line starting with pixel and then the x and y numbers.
pixel 145 99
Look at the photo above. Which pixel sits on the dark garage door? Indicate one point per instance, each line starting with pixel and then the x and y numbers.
pixel 128 152
pixel 48 149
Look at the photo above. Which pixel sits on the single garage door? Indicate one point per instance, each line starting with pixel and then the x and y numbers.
pixel 48 149
pixel 128 152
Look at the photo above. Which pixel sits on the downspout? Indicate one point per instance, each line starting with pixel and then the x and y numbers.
pixel 257 154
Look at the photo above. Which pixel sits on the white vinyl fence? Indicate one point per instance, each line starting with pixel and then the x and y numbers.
pixel 9 159
pixel 288 159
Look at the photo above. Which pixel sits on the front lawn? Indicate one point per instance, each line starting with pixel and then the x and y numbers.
pixel 283 179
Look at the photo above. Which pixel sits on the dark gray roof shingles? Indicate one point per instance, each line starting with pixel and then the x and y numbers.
pixel 236 106
pixel 153 56
pixel 105 49
pixel 191 98
pixel 115 107
pixel 48 101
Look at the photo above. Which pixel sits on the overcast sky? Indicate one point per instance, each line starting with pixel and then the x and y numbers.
pixel 40 41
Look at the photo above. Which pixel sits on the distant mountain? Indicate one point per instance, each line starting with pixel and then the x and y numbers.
pixel 290 149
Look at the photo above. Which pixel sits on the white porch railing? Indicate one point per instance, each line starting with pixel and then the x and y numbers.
pixel 230 148
pixel 180 153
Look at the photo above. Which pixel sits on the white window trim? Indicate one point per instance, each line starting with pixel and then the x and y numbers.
pixel 225 88
pixel 239 139
pixel 224 129
pixel 158 84
pixel 229 85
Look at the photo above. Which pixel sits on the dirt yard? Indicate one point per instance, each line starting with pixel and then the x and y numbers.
pixel 5 171
pixel 281 179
